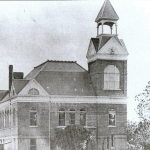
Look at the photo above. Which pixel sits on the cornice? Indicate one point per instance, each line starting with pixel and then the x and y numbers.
pixel 68 99
pixel 107 57
pixel 96 99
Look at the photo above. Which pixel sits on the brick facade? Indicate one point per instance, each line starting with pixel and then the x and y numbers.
pixel 96 71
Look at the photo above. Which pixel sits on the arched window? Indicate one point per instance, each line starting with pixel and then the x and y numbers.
pixel 33 116
pixel 72 116
pixel 33 91
pixel 111 78
pixel 82 117
pixel 14 117
pixel 112 117
pixel 61 117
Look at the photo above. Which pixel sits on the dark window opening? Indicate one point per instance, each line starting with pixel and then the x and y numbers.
pixel 33 144
pixel 33 91
pixel 82 117
pixel 112 118
pixel 33 117
pixel 72 116
pixel 14 117
pixel 61 117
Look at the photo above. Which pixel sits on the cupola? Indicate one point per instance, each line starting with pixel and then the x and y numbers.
pixel 106 17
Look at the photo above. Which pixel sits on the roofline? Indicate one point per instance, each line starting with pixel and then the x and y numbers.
pixel 41 64
pixel 21 79
pixel 81 66
pixel 107 40
pixel 103 6
pixel 114 19
pixel 55 61
pixel 7 91
pixel 24 85
pixel 4 90
pixel 58 61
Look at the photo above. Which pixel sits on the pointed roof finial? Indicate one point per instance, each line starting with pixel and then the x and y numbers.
pixel 107 12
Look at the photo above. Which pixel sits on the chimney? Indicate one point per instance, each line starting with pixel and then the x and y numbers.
pixel 10 76
pixel 18 75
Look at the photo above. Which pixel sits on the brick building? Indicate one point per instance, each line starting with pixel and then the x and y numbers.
pixel 59 93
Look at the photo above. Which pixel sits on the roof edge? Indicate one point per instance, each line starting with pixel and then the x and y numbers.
pixel 55 61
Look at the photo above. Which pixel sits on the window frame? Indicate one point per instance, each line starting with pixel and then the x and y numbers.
pixel 112 112
pixel 7 112
pixel 14 117
pixel 3 119
pixel 111 78
pixel 1 123
pixel 72 117
pixel 33 111
pixel 33 145
pixel 82 112
pixel 32 92
pixel 62 119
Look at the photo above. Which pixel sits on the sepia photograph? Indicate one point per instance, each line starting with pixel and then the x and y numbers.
pixel 75 75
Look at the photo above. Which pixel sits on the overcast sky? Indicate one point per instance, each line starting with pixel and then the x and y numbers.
pixel 35 31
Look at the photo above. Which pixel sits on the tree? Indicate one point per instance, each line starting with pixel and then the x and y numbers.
pixel 143 100
pixel 139 134
pixel 131 138
pixel 74 137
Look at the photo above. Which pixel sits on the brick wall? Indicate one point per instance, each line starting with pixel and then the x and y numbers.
pixel 96 70
pixel 95 113
pixel 42 127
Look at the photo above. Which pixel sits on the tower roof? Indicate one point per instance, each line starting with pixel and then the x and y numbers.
pixel 107 12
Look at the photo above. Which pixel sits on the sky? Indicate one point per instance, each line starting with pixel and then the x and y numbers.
pixel 32 32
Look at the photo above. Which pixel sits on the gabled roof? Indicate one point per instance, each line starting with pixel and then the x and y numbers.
pixel 51 65
pixel 19 84
pixel 66 83
pixel 103 40
pixel 3 93
pixel 95 43
pixel 107 12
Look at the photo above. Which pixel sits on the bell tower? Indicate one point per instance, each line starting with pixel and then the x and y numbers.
pixel 107 16
pixel 107 55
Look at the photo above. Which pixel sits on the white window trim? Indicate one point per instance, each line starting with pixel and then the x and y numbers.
pixel 116 71
pixel 36 117
pixel 112 111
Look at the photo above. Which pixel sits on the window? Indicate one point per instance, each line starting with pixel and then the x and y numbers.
pixel 112 140
pixel 33 91
pixel 111 78
pixel 62 117
pixel 33 116
pixel 14 117
pixel 1 123
pixel 82 117
pixel 2 119
pixel 6 118
pixel 72 116
pixel 112 117
pixel 33 144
